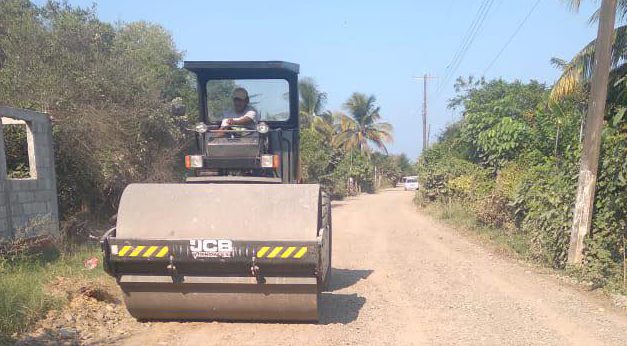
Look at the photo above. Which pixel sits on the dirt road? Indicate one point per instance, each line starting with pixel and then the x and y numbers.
pixel 401 278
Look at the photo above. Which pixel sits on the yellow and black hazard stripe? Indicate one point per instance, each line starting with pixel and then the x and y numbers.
pixel 143 251
pixel 281 252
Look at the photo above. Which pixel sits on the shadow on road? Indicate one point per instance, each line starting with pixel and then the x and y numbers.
pixel 340 308
pixel 343 278
pixel 338 204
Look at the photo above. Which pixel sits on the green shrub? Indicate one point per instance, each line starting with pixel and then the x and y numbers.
pixel 509 179
pixel 495 211
pixel 529 149
pixel 442 175
pixel 544 205
pixel 604 246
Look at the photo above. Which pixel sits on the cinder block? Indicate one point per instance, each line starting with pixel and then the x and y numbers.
pixel 30 184
pixel 25 197
pixel 16 210
pixel 35 127
pixel 18 185
pixel 41 196
pixel 38 207
pixel 27 208
pixel 41 208
pixel 32 208
pixel 14 185
pixel 45 183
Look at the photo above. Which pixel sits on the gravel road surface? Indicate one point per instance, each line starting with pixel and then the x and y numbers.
pixel 400 277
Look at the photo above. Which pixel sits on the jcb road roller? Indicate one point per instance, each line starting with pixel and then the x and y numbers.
pixel 242 238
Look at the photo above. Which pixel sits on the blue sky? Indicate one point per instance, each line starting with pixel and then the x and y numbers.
pixel 375 47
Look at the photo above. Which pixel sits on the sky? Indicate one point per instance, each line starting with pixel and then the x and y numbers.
pixel 375 47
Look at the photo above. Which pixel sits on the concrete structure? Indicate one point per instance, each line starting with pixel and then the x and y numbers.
pixel 29 207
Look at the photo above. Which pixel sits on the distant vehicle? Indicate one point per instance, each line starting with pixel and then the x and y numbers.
pixel 401 182
pixel 411 183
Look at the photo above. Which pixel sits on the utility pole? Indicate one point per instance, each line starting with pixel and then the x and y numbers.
pixel 428 134
pixel 425 134
pixel 586 184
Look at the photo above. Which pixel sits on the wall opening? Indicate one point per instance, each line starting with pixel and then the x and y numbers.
pixel 18 149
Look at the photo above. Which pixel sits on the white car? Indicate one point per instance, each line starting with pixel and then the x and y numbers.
pixel 411 184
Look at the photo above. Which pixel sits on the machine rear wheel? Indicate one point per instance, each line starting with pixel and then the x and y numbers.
pixel 324 278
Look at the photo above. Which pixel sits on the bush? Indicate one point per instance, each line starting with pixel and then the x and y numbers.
pixel 315 155
pixel 509 179
pixel 495 211
pixel 109 90
pixel 442 176
pixel 605 245
pixel 530 151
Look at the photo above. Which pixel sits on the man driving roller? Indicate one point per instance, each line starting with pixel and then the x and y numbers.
pixel 242 114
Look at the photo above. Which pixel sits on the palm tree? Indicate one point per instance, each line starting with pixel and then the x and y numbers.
pixel 361 127
pixel 326 125
pixel 312 101
pixel 578 71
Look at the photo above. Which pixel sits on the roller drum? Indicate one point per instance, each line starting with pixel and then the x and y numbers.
pixel 202 298
pixel 180 286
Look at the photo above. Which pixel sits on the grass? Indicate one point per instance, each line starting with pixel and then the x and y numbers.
pixel 24 298
pixel 459 215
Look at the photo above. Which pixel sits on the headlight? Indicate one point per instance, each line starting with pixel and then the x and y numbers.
pixel 270 161
pixel 201 127
pixel 263 128
pixel 193 161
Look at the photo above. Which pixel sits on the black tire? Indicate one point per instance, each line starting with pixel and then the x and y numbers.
pixel 324 279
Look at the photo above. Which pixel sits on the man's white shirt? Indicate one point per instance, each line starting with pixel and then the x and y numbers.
pixel 248 112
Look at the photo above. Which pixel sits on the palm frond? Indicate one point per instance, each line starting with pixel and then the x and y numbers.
pixel 324 128
pixel 312 100
pixel 621 13
pixel 617 93
pixel 579 70
pixel 559 63
pixel 573 5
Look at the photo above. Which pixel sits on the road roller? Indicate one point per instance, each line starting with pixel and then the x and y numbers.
pixel 240 238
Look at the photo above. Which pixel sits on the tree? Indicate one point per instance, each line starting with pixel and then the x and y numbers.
pixel 497 116
pixel 361 127
pixel 312 101
pixel 109 89
pixel 404 165
pixel 326 125
pixel 577 72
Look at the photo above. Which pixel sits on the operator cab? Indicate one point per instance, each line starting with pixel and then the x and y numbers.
pixel 262 151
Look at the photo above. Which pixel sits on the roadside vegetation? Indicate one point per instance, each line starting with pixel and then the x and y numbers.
pixel 512 162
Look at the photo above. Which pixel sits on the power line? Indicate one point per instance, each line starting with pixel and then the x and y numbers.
pixel 467 42
pixel 464 41
pixel 511 38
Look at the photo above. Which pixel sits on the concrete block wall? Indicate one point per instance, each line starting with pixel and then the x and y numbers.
pixel 29 207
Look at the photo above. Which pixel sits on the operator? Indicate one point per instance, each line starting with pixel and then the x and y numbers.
pixel 242 114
